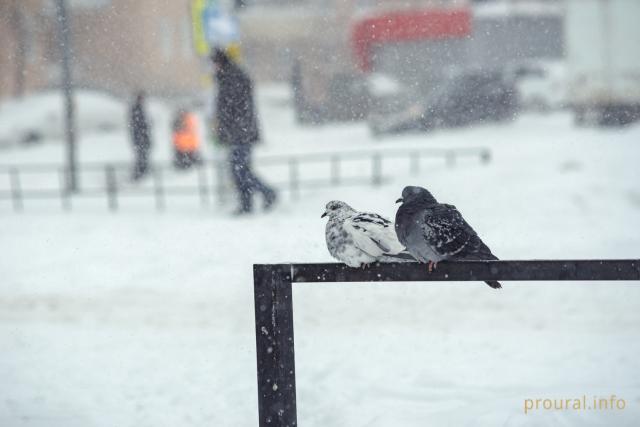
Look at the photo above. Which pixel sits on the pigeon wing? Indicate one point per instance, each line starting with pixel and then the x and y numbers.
pixel 447 233
pixel 373 234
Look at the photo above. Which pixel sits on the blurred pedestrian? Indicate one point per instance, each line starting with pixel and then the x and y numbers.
pixel 237 127
pixel 140 137
pixel 186 141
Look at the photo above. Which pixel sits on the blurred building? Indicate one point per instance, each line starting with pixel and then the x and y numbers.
pixel 315 32
pixel 118 46
pixel 25 50
pixel 123 45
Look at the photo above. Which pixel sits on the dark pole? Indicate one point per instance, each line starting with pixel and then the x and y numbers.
pixel 274 346
pixel 67 87
pixel 20 34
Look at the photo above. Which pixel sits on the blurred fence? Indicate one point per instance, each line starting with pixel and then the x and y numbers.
pixel 209 182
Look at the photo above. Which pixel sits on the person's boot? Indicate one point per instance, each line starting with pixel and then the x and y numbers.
pixel 270 198
pixel 245 204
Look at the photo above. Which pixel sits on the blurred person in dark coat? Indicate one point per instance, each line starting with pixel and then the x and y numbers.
pixel 237 127
pixel 140 137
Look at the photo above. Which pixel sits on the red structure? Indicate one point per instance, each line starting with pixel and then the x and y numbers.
pixel 407 26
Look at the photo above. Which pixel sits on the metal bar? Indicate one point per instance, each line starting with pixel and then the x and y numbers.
pixel 218 185
pixel 65 200
pixel 464 271
pixel 322 183
pixel 16 190
pixel 376 169
pixel 202 186
pixel 158 191
pixel 274 307
pixel 264 160
pixel 274 346
pixel 53 167
pixel 54 193
pixel 360 154
pixel 112 187
pixel 64 30
pixel 294 181
pixel 183 190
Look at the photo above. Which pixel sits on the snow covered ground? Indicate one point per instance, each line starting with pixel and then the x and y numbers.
pixel 145 319
pixel 40 116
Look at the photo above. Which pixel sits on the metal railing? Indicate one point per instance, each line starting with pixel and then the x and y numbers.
pixel 210 176
pixel 274 307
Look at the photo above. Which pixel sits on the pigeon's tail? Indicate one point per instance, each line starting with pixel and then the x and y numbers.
pixel 494 284
pixel 403 256
pixel 485 254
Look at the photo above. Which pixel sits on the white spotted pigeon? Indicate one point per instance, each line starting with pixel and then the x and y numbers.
pixel 360 238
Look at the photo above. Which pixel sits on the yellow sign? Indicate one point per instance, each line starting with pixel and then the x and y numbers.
pixel 199 38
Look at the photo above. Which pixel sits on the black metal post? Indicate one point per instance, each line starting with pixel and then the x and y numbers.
pixel 274 346
pixel 67 86
pixel 20 35
pixel 65 198
pixel 16 190
pixel 274 306
pixel 112 187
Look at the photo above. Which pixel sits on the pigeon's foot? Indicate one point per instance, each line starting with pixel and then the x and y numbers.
pixel 432 266
pixel 270 198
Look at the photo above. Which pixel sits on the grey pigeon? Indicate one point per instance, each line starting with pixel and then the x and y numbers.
pixel 360 238
pixel 434 232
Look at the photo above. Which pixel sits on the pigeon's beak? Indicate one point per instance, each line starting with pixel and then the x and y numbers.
pixel 399 200
pixel 323 215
